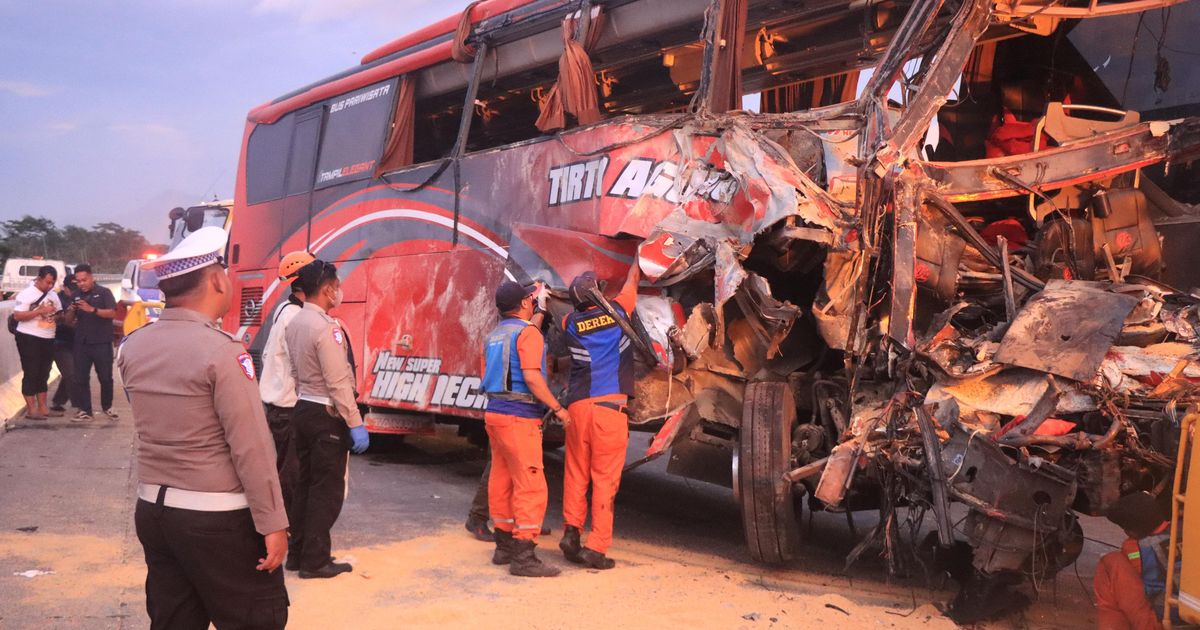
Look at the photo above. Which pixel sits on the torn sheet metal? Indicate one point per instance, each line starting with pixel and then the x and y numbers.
pixel 1066 329
pixel 657 316
pixel 1131 369
pixel 680 247
pixel 1011 502
pixel 772 183
pixel 770 319
pixel 729 277
pixel 832 309
pixel 1012 392
pixel 696 334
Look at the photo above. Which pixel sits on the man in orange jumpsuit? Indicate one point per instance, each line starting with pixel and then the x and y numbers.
pixel 1128 579
pixel 601 381
pixel 514 381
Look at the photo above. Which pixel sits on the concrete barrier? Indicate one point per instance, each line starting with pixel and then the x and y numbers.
pixel 11 401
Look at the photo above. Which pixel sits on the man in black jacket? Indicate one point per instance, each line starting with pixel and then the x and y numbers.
pixel 95 309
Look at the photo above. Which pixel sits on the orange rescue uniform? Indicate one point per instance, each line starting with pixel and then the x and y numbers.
pixel 1120 595
pixel 597 440
pixel 517 484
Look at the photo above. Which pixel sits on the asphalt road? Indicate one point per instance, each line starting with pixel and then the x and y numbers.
pixel 66 497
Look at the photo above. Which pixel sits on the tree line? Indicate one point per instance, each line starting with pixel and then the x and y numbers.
pixel 106 246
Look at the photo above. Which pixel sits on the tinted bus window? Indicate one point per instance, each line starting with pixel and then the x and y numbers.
pixel 266 160
pixel 304 155
pixel 355 129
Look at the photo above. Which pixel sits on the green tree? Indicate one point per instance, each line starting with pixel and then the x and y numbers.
pixel 30 236
pixel 107 246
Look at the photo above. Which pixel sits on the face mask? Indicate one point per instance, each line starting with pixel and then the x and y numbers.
pixel 337 298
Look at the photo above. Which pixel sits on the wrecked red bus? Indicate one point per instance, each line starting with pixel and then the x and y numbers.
pixel 941 220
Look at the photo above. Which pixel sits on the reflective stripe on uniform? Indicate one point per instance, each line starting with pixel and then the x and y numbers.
pixel 1137 555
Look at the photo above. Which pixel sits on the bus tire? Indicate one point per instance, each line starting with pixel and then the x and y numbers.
pixel 769 517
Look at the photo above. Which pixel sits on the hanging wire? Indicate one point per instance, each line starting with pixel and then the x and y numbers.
pixel 1132 55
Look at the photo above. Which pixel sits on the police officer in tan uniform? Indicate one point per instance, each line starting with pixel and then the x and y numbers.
pixel 209 515
pixel 326 421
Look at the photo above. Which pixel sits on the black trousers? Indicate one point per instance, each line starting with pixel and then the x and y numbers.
pixel 200 569
pixel 323 449
pixel 279 419
pixel 101 356
pixel 64 358
pixel 37 355
pixel 479 505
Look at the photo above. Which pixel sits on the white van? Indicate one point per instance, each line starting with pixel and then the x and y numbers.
pixel 19 272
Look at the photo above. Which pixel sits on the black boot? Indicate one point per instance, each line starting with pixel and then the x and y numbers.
pixel 570 544
pixel 525 562
pixel 332 569
pixel 479 529
pixel 504 541
pixel 595 559
pixel 293 561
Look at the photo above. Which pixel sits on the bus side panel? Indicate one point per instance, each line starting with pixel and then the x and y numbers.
pixel 525 193
pixel 428 318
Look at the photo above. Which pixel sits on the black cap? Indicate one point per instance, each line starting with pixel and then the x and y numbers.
pixel 509 295
pixel 1138 512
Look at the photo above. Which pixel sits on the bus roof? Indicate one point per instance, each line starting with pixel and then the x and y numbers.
pixel 417 50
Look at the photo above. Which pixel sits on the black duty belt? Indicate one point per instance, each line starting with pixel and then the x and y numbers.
pixel 617 407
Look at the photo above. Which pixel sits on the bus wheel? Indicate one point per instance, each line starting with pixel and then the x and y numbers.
pixel 764 454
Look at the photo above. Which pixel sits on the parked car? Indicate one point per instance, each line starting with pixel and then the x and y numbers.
pixel 19 272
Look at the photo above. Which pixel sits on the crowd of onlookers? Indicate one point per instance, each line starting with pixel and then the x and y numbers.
pixel 69 325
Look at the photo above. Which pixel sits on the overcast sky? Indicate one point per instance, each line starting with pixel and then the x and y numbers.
pixel 120 110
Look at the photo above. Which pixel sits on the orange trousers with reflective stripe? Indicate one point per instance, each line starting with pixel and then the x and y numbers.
pixel 517 485
pixel 596 441
pixel 1120 595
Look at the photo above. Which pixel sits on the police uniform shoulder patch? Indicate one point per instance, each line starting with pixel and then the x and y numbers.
pixel 337 335
pixel 246 362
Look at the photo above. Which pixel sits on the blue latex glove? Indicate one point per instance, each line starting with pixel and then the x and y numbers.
pixel 361 439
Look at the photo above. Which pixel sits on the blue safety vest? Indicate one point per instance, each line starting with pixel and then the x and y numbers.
pixel 503 383
pixel 1152 552
pixel 601 355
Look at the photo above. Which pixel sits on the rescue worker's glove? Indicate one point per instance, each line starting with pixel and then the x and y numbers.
pixel 361 439
pixel 540 297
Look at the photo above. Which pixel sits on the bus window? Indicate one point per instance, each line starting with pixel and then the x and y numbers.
pixel 437 126
pixel 303 155
pixel 266 158
pixel 356 127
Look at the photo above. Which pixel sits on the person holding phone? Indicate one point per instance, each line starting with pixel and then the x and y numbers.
pixel 94 309
pixel 36 313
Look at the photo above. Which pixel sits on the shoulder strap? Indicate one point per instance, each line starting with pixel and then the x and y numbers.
pixel 39 300
pixel 280 311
